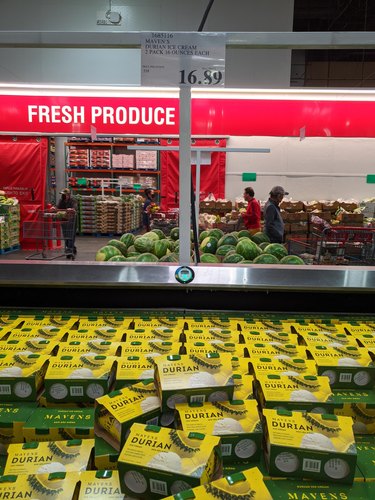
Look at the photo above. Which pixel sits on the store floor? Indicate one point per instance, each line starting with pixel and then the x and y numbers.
pixel 87 246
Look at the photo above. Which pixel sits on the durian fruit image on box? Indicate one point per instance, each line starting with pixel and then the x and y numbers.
pixel 39 346
pixel 309 445
pixel 156 461
pixel 156 332
pixel 247 484
pixel 212 346
pixel 117 411
pixel 272 349
pixel 266 335
pixel 236 422
pixel 188 379
pixel 151 346
pixel 283 364
pixel 46 332
pixel 359 405
pixel 93 346
pixel 52 456
pixel 56 486
pixel 100 484
pixel 131 369
pixel 327 338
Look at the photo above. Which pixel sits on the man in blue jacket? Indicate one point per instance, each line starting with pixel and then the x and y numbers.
pixel 273 222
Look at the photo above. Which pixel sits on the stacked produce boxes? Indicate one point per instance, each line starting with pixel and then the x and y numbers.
pixel 87 214
pixel 9 224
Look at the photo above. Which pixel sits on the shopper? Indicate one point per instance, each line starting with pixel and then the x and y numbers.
pixel 251 218
pixel 69 203
pixel 150 195
pixel 273 222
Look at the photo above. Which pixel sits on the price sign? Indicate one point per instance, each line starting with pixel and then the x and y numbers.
pixel 183 59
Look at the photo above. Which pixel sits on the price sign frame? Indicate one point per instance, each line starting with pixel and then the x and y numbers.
pixel 183 59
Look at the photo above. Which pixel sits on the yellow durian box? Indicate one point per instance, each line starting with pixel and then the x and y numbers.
pixel 96 346
pixel 212 346
pixel 356 328
pixel 205 322
pixel 243 386
pixel 57 485
pixel 208 333
pixel 156 332
pixel 176 323
pixel 52 424
pixel 48 332
pixel 45 457
pixel 291 392
pixel 367 340
pixel 282 364
pixel 347 367
pixel 117 411
pixel 97 322
pixel 21 376
pixel 327 338
pixel 102 333
pixel 244 485
pixel 309 446
pixel 266 335
pixel 236 422
pixel 133 369
pixel 154 346
pixel 359 405
pixel 80 378
pixel 157 461
pixel 273 349
pixel 100 484
pixel 303 327
pixel 32 346
pixel 55 320
pixel 12 420
pixel 194 378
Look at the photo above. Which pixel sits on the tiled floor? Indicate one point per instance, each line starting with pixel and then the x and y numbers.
pixel 87 246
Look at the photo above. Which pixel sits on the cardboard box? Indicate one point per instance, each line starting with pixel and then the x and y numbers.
pixel 346 218
pixel 283 364
pixel 150 347
pixel 32 346
pixel 105 455
pixel 133 369
pixel 151 322
pixel 291 206
pixel 359 405
pixel 193 378
pixel 265 335
pixel 310 446
pixel 237 422
pixel 326 338
pixel 156 461
pixel 330 206
pixel 12 420
pixel 209 333
pixel 210 321
pixel 212 346
pixel 94 346
pixel 158 332
pixel 366 457
pixel 103 333
pixel 43 332
pixel 272 349
pixel 57 485
pixel 311 206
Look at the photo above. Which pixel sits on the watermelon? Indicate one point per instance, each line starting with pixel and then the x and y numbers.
pixel 171 257
pixel 246 238
pixel 119 245
pixel 131 249
pixel 147 257
pixel 244 233
pixel 248 249
pixel 263 245
pixel 175 232
pixel 292 260
pixel 133 258
pixel 170 244
pixel 203 235
pixel 216 233
pixel 224 249
pixel 208 245
pixel 133 254
pixel 228 239
pixel 233 258
pixel 276 249
pixel 144 245
pixel 260 237
pixel 151 235
pixel 208 258
pixel 117 258
pixel 160 248
pixel 127 239
pixel 246 262
pixel 266 258
pixel 159 232
pixel 106 252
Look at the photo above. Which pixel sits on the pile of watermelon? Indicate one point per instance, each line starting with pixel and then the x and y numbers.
pixel 215 247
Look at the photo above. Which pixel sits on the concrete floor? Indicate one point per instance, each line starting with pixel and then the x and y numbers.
pixel 87 246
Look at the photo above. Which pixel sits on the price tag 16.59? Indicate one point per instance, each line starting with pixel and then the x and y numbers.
pixel 183 59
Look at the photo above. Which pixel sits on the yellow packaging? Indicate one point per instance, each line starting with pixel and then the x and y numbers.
pixel 156 461
pixel 105 455
pixel 100 484
pixel 12 420
pixel 79 378
pixel 302 392
pixel 21 376
pixel 194 378
pixel 133 369
pixel 247 484
pixel 54 320
pixel 96 346
pixel 209 333
pixel 367 340
pixel 262 324
pixel 327 338
pixel 358 328
pixel 53 424
pixel 102 323
pixel 49 332
pixel 302 328
pixel 309 445
pixel 266 335
pixel 40 346
pixel 57 485
pixel 150 346
pixel 49 456
pixel 9 321
pixel 101 333
pixel 272 349
pixel 283 365
pixel 150 333
pixel 241 365
pixel 347 367
pixel 175 322
pixel 360 406
pixel 117 411
pixel 207 322
pixel 212 346
pixel 237 422
pixel 243 386
pixel 66 320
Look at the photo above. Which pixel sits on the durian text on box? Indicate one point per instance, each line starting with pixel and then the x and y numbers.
pixel 193 378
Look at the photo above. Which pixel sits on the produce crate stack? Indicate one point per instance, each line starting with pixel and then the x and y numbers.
pixel 136 214
pixel 86 214
pixel 106 214
pixel 9 226
pixel 124 217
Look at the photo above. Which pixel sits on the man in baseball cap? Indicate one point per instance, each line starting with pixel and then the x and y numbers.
pixel 69 203
pixel 65 191
pixel 273 222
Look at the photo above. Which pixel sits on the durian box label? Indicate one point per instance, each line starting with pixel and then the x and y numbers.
pixel 100 484
pixel 133 369
pixel 118 410
pixel 176 323
pixel 327 338
pixel 102 333
pixel 56 320
pixel 79 378
pixel 359 405
pixel 57 485
pixel 205 323
pixel 99 322
pixel 207 334
pixel 303 328
pixel 262 324
pixel 243 386
pixel 245 484
pixel 293 392
pixel 105 455
pixel 212 346
pixel 284 365
pixel 48 332
pixel 150 333
pixel 53 424
pixel 356 329
pixel 39 346
pixel 347 367
pixel 21 376
pixel 12 420
pixel 97 346
pixel 45 457
pixel 236 422
pixel 310 445
pixel 157 461
pixel 272 349
pixel 241 365
pixel 267 335
pixel 367 340
pixel 154 346
pixel 193 378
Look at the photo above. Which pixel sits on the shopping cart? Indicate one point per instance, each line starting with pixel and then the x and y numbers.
pixel 51 227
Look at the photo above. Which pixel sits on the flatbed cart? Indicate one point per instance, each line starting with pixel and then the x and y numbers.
pixel 51 227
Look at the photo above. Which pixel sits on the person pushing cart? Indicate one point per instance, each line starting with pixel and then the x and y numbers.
pixel 69 203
